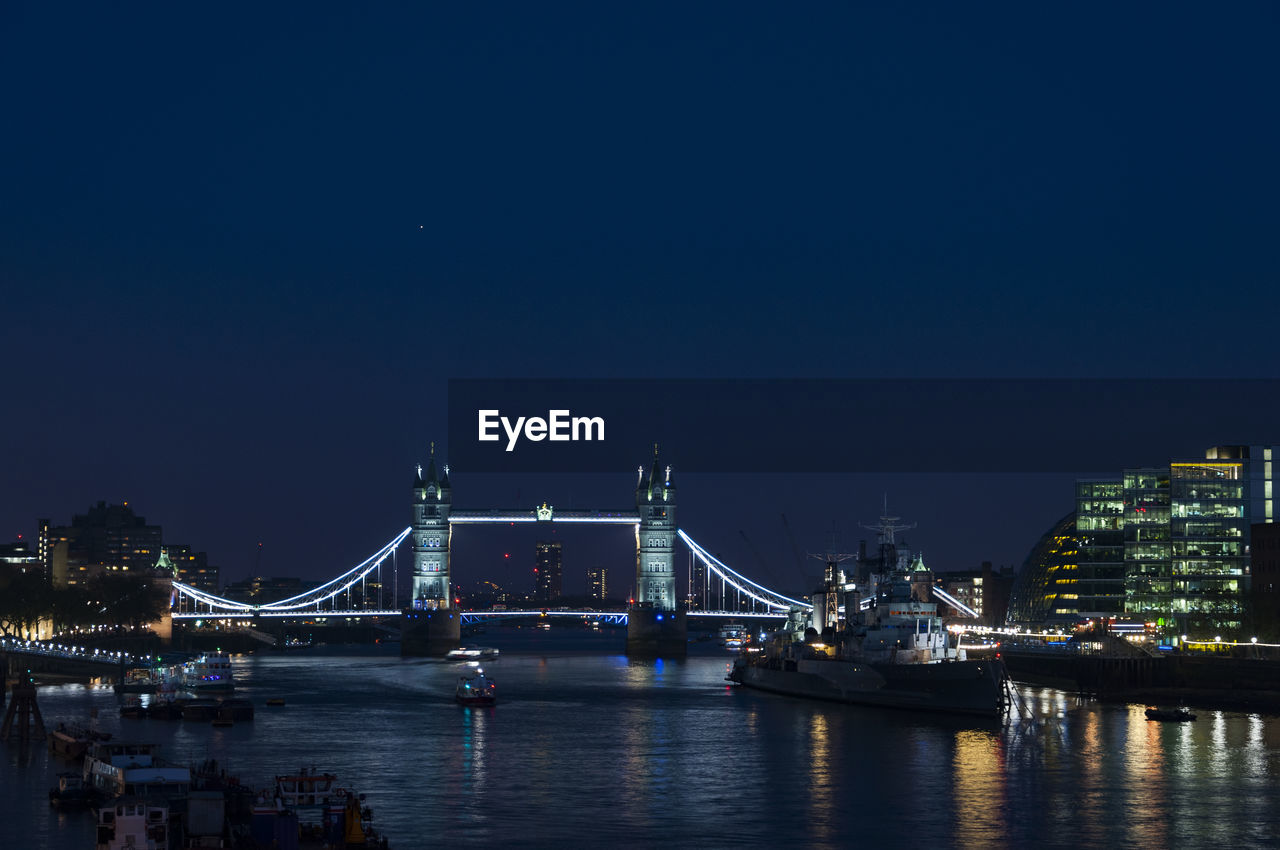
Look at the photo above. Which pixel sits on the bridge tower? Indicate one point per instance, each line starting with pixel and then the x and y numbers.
pixel 432 625
pixel 656 624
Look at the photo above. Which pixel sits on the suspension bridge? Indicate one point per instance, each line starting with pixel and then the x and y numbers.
pixel 656 620
pixel 332 598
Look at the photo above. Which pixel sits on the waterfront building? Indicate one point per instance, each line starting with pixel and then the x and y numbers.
pixel 1044 589
pixel 21 556
pixel 598 583
pixel 547 571
pixel 985 590
pixel 1168 546
pixel 1264 596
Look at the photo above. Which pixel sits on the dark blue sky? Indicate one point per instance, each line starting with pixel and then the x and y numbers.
pixel 243 250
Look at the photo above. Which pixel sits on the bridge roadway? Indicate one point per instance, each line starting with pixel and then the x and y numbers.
pixel 618 617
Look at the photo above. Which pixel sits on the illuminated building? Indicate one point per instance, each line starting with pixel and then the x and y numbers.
pixel 1166 545
pixel 108 538
pixel 598 583
pixel 546 571
pixel 20 556
pixel 192 567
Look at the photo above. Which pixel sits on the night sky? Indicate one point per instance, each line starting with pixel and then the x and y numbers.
pixel 244 249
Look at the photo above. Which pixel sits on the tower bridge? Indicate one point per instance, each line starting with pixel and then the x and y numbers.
pixel 656 622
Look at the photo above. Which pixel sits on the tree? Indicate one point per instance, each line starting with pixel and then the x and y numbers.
pixel 25 599
pixel 125 600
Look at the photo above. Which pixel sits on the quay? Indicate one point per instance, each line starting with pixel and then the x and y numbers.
pixel 1251 684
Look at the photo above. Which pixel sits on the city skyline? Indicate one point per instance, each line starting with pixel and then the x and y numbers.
pixel 239 305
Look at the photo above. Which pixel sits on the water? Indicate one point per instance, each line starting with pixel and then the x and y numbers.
pixel 588 748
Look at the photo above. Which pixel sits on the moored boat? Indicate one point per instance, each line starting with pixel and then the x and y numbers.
pixel 133 822
pixel 199 709
pixel 71 740
pixel 71 791
pixel 889 649
pixel 476 689
pixel 209 672
pixel 119 769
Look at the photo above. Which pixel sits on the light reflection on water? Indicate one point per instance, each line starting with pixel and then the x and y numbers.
pixel 587 749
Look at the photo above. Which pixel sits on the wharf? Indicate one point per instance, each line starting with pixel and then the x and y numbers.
pixel 1251 684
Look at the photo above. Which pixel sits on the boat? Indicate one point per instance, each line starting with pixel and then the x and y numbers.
pixel 476 689
pixel 133 707
pixel 472 653
pixel 199 709
pixel 889 649
pixel 71 741
pixel 275 701
pixel 71 791
pixel 209 672
pixel 138 680
pixel 733 635
pixel 1175 715
pixel 118 769
pixel 133 822
pixel 306 788
pixel 308 809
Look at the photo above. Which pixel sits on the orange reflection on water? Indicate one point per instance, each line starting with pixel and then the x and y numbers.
pixel 821 800
pixel 978 791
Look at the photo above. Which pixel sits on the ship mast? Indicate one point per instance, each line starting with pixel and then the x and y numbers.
pixel 888 526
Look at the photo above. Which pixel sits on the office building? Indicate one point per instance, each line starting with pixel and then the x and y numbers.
pixel 598 583
pixel 546 571
pixel 1168 546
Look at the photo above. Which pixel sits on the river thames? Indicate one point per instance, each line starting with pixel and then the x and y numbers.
pixel 587 748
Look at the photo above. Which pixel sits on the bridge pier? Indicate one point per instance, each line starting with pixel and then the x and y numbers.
pixel 430 632
pixel 654 633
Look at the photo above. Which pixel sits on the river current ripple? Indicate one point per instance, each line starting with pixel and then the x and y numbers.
pixel 586 748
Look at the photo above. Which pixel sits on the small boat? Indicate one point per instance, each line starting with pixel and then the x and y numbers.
pixel 71 791
pixel 476 689
pixel 275 701
pixel 133 707
pixel 71 740
pixel 472 653
pixel 1176 715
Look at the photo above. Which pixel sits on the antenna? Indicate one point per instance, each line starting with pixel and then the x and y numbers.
pixel 888 524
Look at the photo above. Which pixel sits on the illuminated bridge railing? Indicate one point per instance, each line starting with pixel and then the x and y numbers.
pixel 217 606
pixel 611 617
pixel 304 614
pixel 70 652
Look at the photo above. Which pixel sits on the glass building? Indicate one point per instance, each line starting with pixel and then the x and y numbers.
pixel 1168 545
pixel 1045 588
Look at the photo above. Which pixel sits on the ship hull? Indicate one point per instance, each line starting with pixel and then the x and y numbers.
pixel 955 687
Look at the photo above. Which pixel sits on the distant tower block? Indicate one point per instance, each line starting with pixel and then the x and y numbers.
pixel 655 624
